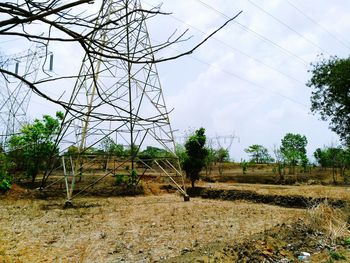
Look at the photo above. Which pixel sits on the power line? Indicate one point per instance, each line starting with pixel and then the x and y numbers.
pixel 241 78
pixel 261 37
pixel 242 52
pixel 249 81
pixel 10 40
pixel 287 26
pixel 318 24
pixel 234 74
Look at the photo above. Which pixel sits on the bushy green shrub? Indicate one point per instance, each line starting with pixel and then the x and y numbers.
pixel 127 180
pixel 5 178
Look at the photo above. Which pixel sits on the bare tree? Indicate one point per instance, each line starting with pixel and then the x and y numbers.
pixel 74 22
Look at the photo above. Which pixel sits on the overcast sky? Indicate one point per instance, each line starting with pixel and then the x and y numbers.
pixel 249 79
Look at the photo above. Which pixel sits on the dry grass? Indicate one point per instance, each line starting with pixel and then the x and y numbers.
pixel 329 220
pixel 336 192
pixel 134 229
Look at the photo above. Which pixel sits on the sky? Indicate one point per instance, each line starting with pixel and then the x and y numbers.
pixel 249 79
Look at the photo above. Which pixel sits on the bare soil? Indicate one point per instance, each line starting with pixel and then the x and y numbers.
pixel 157 225
pixel 130 229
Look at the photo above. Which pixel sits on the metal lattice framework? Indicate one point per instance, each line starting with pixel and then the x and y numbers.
pixel 14 94
pixel 118 99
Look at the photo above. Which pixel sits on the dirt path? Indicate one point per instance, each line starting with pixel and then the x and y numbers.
pixel 132 229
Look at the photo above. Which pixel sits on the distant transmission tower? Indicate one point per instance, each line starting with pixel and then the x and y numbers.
pixel 14 94
pixel 118 99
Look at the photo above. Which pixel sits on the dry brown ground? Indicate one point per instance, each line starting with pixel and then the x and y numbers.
pixel 336 192
pixel 131 229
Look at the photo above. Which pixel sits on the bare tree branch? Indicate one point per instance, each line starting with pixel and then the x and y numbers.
pixel 70 22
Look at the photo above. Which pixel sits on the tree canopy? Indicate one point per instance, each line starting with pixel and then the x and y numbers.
pixel 196 155
pixel 258 153
pixel 293 149
pixel 34 145
pixel 331 95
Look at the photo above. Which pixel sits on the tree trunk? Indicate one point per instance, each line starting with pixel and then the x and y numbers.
pixel 192 183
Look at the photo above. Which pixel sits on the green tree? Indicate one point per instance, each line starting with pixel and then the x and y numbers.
pixel 150 154
pixel 32 149
pixel 334 158
pixel 258 154
pixel 196 154
pixel 108 146
pixel 321 157
pixel 108 149
pixel 293 150
pixel 331 94
pixel 210 159
pixel 222 156
pixel 244 165
pixel 279 163
pixel 181 153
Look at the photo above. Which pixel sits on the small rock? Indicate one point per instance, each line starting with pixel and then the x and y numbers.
pixel 185 250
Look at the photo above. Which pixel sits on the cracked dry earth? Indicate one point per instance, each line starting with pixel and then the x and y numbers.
pixel 127 229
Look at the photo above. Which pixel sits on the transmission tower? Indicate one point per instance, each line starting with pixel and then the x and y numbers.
pixel 118 99
pixel 14 94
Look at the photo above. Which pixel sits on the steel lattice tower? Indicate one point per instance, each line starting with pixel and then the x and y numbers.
pixel 14 94
pixel 119 99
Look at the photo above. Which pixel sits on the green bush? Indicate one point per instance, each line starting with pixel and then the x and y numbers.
pixel 34 147
pixel 128 180
pixel 5 178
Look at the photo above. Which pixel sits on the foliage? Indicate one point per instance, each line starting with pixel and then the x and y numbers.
pixel 72 150
pixel 346 241
pixel 244 165
pixel 32 149
pixel 293 150
pixel 335 158
pixel 222 155
pixel 5 178
pixel 127 180
pixel 196 154
pixel 331 95
pixel 210 159
pixel 336 255
pixel 331 157
pixel 110 147
pixel 150 154
pixel 258 154
pixel 181 153
pixel 279 163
